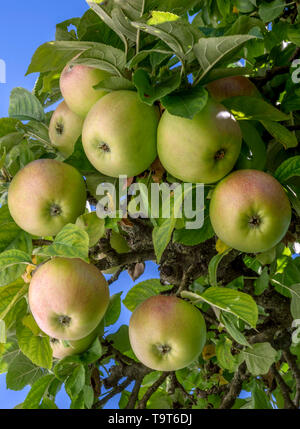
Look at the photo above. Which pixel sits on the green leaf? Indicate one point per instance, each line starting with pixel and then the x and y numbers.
pixel 75 382
pixel 229 321
pixel 143 291
pixel 66 367
pixel 103 57
pixel 115 83
pixel 62 32
pixel 8 352
pixel 47 404
pixel 211 51
pixel 186 103
pixel 149 92
pixel 259 398
pixel 88 396
pixel 287 138
pixel 21 372
pixel 2 332
pixel 255 108
pixel 262 283
pixel 121 339
pixel 36 347
pixel 93 226
pixel 114 309
pixel 38 390
pixel 79 160
pixel 70 242
pixel 24 106
pixel 213 267
pixel 232 301
pixel 10 295
pixel 11 235
pixel 295 302
pixel 8 126
pixel 179 35
pixel 93 353
pixel 225 359
pixel 53 56
pixel 259 358
pixel 272 10
pixel 255 155
pixel 288 169
pixel 12 265
pixel 192 237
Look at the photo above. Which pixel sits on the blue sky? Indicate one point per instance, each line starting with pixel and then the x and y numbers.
pixel 25 26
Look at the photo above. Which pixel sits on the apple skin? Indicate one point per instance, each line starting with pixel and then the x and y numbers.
pixel 76 85
pixel 76 347
pixel 167 321
pixel 68 298
pixel 233 86
pixel 199 150
pixel 46 195
pixel 64 129
pixel 119 134
pixel 250 211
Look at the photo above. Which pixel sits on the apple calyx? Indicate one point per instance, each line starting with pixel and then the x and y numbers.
pixel 163 349
pixel 55 210
pixel 255 221
pixel 59 128
pixel 220 154
pixel 104 147
pixel 64 320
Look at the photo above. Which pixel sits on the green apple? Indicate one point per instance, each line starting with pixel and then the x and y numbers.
pixel 64 129
pixel 199 150
pixel 77 87
pixel 68 298
pixel 46 195
pixel 93 225
pixel 61 350
pixel 250 211
pixel 119 134
pixel 167 333
pixel 233 86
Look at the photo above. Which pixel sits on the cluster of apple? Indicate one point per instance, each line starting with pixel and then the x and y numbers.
pixel 121 135
pixel 249 209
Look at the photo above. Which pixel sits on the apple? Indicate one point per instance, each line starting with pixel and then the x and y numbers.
pixel 250 211
pixel 233 86
pixel 64 129
pixel 61 350
pixel 119 134
pixel 76 85
pixel 46 195
pixel 68 298
pixel 199 150
pixel 167 333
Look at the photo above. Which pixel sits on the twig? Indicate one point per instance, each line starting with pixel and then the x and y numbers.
pixel 41 242
pixel 235 387
pixel 134 394
pixel 115 391
pixel 116 276
pixel 152 389
pixel 292 362
pixel 285 390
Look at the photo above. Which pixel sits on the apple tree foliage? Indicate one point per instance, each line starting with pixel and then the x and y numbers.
pixel 167 51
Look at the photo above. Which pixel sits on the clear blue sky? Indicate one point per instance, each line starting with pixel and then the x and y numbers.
pixel 24 26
